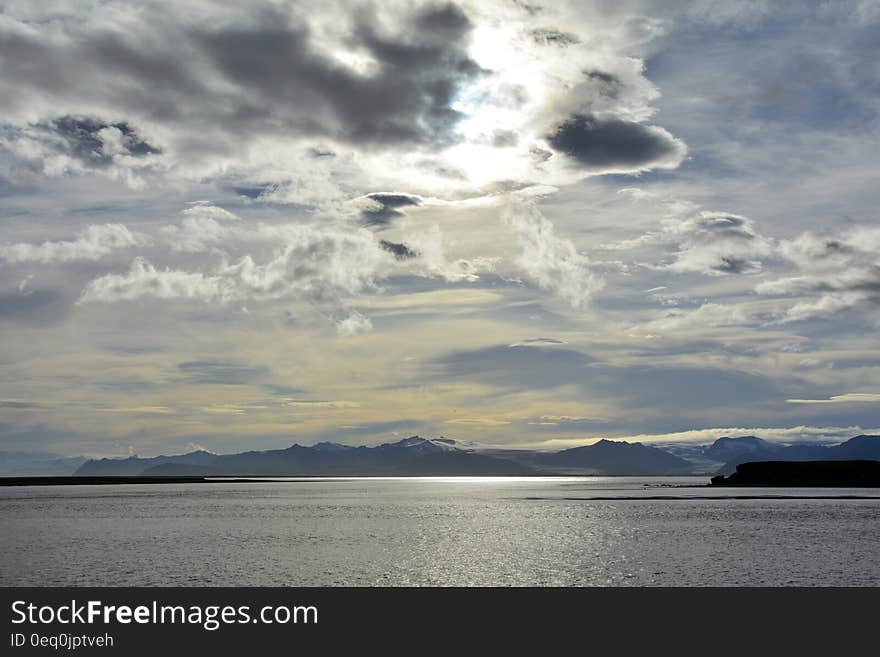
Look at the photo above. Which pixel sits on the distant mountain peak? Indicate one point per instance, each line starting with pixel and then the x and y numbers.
pixel 741 440
pixel 729 448
pixel 327 446
pixel 617 457
pixel 417 443
pixel 864 438
pixel 615 444
pixel 411 441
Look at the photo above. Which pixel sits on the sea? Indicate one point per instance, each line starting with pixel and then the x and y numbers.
pixel 439 531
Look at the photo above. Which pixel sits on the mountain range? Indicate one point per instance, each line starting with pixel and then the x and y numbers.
pixel 413 456
pixel 417 456
pixel 25 464
pixel 734 451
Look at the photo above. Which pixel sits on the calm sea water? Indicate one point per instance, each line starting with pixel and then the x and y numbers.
pixel 451 531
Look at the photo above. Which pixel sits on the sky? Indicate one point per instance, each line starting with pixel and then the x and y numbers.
pixel 518 223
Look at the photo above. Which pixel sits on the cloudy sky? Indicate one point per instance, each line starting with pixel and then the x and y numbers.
pixel 514 222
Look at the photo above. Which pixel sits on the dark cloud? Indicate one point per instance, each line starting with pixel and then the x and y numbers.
pixel 32 306
pixel 667 388
pixel 516 366
pixel 219 82
pixel 407 99
pixel 611 142
pixel 732 265
pixel 389 207
pixel 84 141
pixel 221 372
pixel 539 154
pixel 601 76
pixel 284 391
pixel 550 36
pixel 655 388
pixel 93 143
pixel 399 251
pixel 249 192
pixel 725 226
pixel 444 21
pixel 504 138
pixel 607 84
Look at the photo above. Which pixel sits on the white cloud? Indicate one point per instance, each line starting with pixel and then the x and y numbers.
pixel 203 226
pixel 354 324
pixel 310 263
pixel 716 243
pixel 847 398
pixel 145 280
pixel 834 273
pixel 551 261
pixel 800 433
pixel 92 243
pixel 433 261
pixel 708 315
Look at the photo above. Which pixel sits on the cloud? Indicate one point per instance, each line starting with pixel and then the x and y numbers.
pixel 551 261
pixel 432 259
pixel 398 250
pixel 716 243
pixel 144 280
pixel 310 263
pixel 203 226
pixel 92 243
pixel 404 96
pixel 264 70
pixel 847 398
pixel 95 142
pixel 71 145
pixel 221 372
pixel 550 36
pixel 319 102
pixel 354 324
pixel 798 434
pixel 663 388
pixel 834 273
pixel 708 315
pixel 613 144
pixel 381 208
pixel 516 367
pixel 539 341
pixel 658 391
pixel 708 242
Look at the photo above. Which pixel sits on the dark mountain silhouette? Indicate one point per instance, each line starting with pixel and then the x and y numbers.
pixel 860 447
pixel 134 465
pixel 413 456
pixel 803 473
pixel 863 447
pixel 751 448
pixel 608 457
pixel 416 456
